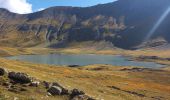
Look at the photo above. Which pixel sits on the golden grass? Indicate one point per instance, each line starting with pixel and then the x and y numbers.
pixel 95 82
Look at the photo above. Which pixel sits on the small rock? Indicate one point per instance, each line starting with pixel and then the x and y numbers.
pixel 2 71
pixel 76 92
pixel 64 91
pixel 55 90
pixel 35 84
pixel 46 84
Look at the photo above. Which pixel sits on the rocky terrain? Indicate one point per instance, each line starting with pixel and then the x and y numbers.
pixel 123 24
pixel 19 83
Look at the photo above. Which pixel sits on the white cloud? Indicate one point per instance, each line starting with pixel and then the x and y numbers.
pixel 17 6
pixel 40 9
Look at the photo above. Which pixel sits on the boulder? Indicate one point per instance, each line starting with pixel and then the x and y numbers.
pixel 2 71
pixel 20 77
pixel 64 90
pixel 76 92
pixel 55 90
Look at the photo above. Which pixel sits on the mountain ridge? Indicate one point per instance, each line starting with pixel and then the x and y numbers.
pixel 124 23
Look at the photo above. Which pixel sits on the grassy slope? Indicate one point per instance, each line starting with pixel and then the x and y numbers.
pixel 96 82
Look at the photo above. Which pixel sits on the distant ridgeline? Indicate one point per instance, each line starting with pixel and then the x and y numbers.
pixel 124 23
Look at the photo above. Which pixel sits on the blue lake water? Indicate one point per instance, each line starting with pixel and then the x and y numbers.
pixel 83 59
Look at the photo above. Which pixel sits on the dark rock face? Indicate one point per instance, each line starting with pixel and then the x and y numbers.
pixel 82 34
pixel 2 71
pixel 19 77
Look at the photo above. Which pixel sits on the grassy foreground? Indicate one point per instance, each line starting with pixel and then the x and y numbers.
pixel 103 82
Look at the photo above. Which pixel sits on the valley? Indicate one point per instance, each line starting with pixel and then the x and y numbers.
pixel 137 29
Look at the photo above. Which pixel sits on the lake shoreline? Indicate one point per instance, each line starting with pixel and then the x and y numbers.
pixel 98 81
pixel 75 51
pixel 84 60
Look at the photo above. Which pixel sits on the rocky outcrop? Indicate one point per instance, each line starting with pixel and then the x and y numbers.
pixel 18 82
pixel 74 94
pixel 20 77
pixel 38 31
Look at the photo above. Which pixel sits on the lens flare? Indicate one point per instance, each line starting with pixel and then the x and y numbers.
pixel 156 26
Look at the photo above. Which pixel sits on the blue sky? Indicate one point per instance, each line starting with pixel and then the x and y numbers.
pixel 38 4
pixel 29 6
